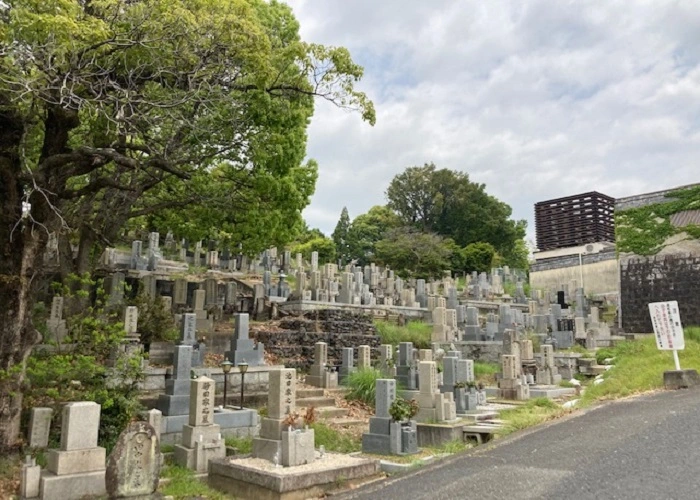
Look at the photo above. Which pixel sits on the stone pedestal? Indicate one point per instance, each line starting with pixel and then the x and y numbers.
pixel 77 469
pixel 201 439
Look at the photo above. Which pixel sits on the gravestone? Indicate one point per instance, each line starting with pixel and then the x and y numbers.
pixel 364 360
pixel 176 399
pixel 406 368
pixel 279 442
pixel 201 438
pixel 386 360
pixel 56 325
pixel 319 374
pixel 434 405
pixel 386 436
pixel 30 479
pixel 39 427
pixel 347 364
pixel 243 348
pixel 77 468
pixel 133 467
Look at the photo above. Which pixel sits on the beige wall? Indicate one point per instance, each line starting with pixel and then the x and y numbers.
pixel 598 277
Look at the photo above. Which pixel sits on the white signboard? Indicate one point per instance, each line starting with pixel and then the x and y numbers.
pixel 667 325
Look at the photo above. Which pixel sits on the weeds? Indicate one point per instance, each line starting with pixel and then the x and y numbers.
pixel 415 331
pixel 363 385
pixel 243 445
pixel 334 440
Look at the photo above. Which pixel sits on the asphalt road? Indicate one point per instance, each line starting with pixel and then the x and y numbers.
pixel 641 448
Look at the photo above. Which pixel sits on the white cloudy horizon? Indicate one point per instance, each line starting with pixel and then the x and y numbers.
pixel 535 99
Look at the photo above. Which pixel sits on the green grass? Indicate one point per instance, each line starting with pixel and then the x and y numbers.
pixel 167 448
pixel 485 372
pixel 415 331
pixel 451 447
pixel 183 485
pixel 243 445
pixel 639 367
pixel 363 385
pixel 334 440
pixel 534 412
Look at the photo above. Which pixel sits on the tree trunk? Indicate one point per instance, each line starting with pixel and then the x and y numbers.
pixel 21 247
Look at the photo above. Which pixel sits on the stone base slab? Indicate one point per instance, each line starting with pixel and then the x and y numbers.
pixel 438 434
pixel 246 481
pixel 681 379
pixel 72 486
pixel 63 463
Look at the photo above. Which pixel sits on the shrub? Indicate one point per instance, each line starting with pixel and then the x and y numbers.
pixel 363 385
pixel 403 409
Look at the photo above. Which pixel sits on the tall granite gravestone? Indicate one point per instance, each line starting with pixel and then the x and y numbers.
pixel 320 375
pixel 56 325
pixel 385 436
pixel 346 364
pixel 278 441
pixel 39 427
pixel 244 348
pixel 386 360
pixel 133 467
pixel 77 469
pixel 364 359
pixel 547 372
pixel 434 405
pixel 406 368
pixel 176 399
pixel 201 437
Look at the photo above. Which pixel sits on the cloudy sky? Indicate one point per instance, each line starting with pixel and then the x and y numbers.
pixel 536 99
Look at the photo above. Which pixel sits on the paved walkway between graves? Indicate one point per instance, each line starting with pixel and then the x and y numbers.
pixel 640 448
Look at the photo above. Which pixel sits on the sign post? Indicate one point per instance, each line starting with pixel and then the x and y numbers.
pixel 668 330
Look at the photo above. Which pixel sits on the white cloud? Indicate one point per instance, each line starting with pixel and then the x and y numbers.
pixel 535 99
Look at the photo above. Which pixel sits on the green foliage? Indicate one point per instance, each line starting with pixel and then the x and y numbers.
pixel 183 484
pixel 156 324
pixel 368 229
pixel 639 367
pixel 198 123
pixel 485 368
pixel 243 445
pixel 340 237
pixel 477 257
pixel 643 230
pixel 335 440
pixel 412 253
pixel 446 202
pixel 363 385
pixel 414 331
pixel 323 245
pixel 402 409
pixel 96 369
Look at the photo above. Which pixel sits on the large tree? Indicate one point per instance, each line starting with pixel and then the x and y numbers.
pixel 111 110
pixel 448 203
pixel 415 253
pixel 367 229
pixel 340 237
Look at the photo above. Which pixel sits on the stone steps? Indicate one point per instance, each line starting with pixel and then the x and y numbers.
pixel 345 421
pixel 309 393
pixel 329 412
pixel 316 402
